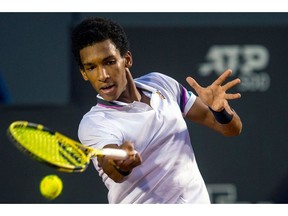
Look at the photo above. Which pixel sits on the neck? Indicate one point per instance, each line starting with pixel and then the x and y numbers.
pixel 144 98
pixel 131 93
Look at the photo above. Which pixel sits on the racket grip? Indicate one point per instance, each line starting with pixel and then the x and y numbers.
pixel 116 154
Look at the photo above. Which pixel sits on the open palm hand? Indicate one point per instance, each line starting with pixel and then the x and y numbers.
pixel 215 95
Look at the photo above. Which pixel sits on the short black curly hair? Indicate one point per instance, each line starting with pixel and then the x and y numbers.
pixel 96 29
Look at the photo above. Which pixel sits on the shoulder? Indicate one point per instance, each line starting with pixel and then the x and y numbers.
pixel 169 86
pixel 157 78
pixel 153 75
pixel 95 128
pixel 91 120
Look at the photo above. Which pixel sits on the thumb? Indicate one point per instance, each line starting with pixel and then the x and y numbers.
pixel 192 83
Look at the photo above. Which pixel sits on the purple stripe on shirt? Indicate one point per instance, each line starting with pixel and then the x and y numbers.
pixel 184 98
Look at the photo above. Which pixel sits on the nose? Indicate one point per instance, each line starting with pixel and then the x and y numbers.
pixel 103 75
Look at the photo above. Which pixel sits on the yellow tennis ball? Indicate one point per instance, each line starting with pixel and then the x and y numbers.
pixel 51 186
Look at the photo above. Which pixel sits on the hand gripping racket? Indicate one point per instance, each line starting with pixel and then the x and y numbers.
pixel 55 149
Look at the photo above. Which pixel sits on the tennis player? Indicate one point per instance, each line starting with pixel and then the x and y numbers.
pixel 145 116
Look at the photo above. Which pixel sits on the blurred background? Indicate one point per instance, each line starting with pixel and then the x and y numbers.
pixel 40 82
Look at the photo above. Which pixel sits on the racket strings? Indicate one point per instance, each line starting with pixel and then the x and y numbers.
pixel 36 142
pixel 72 154
pixel 50 147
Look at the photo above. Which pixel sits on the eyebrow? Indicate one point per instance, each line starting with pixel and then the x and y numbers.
pixel 103 60
pixel 88 64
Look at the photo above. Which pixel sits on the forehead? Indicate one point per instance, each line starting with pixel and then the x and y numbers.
pixel 98 51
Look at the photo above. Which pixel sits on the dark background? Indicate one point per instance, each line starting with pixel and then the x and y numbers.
pixel 41 83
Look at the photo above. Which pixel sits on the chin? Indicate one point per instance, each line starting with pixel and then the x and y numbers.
pixel 108 98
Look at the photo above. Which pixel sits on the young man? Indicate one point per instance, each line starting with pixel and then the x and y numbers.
pixel 147 115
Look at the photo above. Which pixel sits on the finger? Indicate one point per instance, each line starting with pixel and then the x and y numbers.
pixel 132 152
pixel 116 162
pixel 232 96
pixel 223 77
pixel 132 156
pixel 129 164
pixel 228 108
pixel 136 160
pixel 231 84
pixel 129 148
pixel 193 83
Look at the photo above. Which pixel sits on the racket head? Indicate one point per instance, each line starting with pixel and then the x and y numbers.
pixel 49 147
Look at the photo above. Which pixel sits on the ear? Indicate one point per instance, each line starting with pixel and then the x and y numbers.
pixel 128 60
pixel 84 75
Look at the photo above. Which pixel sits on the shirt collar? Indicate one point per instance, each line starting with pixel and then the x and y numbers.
pixel 118 104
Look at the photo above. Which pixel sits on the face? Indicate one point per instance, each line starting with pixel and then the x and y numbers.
pixel 105 69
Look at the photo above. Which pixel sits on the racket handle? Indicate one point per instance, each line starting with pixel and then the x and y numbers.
pixel 116 154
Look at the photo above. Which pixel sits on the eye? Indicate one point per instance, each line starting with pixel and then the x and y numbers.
pixel 90 68
pixel 111 62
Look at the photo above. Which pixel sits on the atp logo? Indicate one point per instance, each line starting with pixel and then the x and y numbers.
pixel 250 61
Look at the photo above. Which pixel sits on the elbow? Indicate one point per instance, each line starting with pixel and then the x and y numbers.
pixel 239 129
pixel 233 131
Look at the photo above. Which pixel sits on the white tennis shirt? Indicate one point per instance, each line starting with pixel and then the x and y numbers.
pixel 169 171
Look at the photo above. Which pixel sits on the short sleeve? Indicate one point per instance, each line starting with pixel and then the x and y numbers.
pixel 97 134
pixel 187 99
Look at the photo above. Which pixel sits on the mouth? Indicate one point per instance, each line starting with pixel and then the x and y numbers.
pixel 108 89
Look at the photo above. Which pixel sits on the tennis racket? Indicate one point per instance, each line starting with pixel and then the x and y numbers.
pixel 54 149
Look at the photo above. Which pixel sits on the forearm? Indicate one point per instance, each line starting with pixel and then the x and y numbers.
pixel 201 114
pixel 228 124
pixel 113 171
